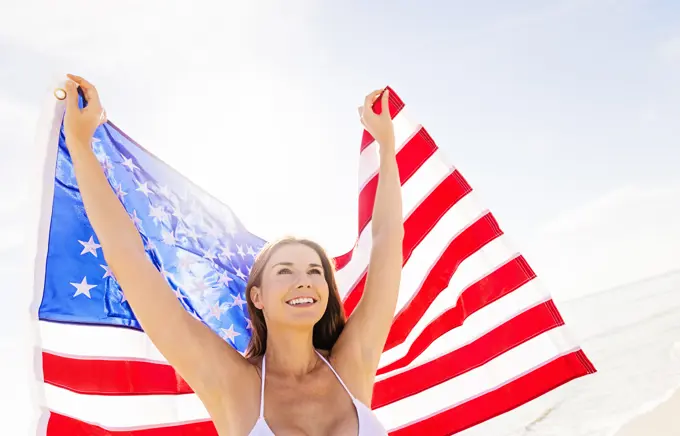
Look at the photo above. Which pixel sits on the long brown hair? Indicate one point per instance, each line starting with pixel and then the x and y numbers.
pixel 326 330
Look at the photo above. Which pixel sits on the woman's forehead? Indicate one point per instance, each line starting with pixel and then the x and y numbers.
pixel 297 254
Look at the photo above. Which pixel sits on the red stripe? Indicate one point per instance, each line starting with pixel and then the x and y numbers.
pixel 60 425
pixel 409 159
pixel 507 397
pixel 419 223
pixel 342 260
pixel 396 105
pixel 521 328
pixel 112 377
pixel 499 283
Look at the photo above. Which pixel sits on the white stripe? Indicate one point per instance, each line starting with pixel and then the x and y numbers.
pixel 475 326
pixel 138 411
pixel 125 412
pixel 369 160
pixel 414 191
pixel 499 371
pixel 98 342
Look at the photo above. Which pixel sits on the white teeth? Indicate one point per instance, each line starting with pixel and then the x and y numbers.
pixel 301 300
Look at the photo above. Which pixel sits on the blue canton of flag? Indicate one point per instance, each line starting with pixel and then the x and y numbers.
pixel 196 242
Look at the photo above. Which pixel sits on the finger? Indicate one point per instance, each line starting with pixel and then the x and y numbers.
pixel 80 81
pixel 72 96
pixel 89 90
pixel 370 98
pixel 385 103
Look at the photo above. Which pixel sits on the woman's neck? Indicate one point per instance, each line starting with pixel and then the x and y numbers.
pixel 291 351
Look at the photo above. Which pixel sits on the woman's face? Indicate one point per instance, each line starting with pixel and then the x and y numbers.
pixel 294 290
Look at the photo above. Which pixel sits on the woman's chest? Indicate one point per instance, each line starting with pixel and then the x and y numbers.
pixel 320 407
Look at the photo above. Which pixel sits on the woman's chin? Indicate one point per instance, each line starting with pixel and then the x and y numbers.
pixel 301 316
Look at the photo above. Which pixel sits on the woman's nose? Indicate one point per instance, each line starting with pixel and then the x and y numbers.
pixel 304 282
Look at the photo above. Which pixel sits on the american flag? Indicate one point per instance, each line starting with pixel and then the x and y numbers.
pixel 474 335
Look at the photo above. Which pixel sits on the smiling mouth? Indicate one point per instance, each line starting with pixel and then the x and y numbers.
pixel 301 302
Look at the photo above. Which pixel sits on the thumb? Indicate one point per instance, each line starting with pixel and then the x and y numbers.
pixel 385 103
pixel 72 97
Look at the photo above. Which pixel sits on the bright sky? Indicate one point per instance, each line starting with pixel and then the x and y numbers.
pixel 563 115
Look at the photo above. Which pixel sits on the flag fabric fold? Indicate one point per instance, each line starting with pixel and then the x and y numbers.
pixel 474 334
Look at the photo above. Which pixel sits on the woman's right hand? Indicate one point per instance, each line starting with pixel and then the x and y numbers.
pixel 80 124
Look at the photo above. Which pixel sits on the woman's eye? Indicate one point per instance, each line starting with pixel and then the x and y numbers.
pixel 284 271
pixel 315 271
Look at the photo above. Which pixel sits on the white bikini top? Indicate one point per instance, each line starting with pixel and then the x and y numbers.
pixel 368 422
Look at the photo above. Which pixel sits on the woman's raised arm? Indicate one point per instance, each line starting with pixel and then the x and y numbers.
pixel 362 341
pixel 199 355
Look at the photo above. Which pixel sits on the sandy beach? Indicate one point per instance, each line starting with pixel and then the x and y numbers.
pixel 663 420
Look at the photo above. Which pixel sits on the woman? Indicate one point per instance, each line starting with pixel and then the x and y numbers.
pixel 307 370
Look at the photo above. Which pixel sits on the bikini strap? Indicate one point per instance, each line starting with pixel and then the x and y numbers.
pixel 262 389
pixel 336 375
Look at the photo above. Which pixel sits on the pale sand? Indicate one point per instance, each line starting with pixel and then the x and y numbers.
pixel 663 420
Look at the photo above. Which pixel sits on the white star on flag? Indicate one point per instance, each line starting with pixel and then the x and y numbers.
pixel 119 191
pixel 240 274
pixel 228 254
pixel 168 238
pixel 90 247
pixel 129 164
pixel 108 272
pixel 157 213
pixel 238 301
pixel 106 163
pixel 230 333
pixel 209 254
pixel 223 279
pixel 143 188
pixel 83 288
pixel 197 286
pixel 216 310
pixel 165 191
pixel 240 251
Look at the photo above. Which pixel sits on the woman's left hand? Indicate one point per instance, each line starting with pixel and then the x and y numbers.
pixel 379 126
